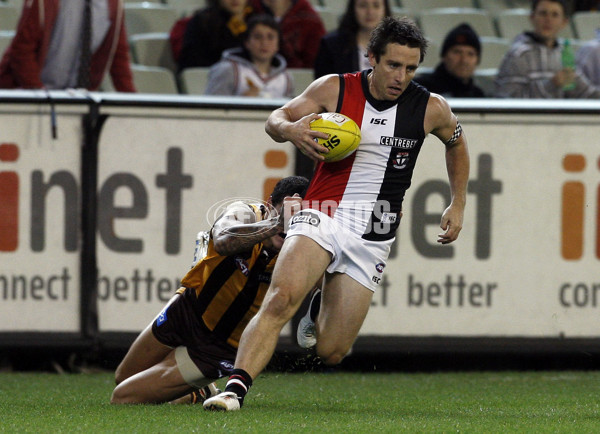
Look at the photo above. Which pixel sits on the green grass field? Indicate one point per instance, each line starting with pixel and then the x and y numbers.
pixel 528 402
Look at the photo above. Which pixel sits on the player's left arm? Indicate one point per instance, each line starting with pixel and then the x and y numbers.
pixel 441 122
pixel 240 228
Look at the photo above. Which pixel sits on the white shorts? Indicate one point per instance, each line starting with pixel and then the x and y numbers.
pixel 360 259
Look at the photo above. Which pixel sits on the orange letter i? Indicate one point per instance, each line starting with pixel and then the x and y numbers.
pixel 9 200
pixel 573 201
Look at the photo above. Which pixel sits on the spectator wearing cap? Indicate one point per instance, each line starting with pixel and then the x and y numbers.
pixel 453 76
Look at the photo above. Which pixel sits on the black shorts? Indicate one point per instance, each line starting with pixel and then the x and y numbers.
pixel 178 325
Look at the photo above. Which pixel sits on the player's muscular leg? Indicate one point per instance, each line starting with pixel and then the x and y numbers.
pixel 300 265
pixel 145 351
pixel 159 383
pixel 344 306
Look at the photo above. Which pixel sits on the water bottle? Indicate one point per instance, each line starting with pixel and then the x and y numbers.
pixel 568 61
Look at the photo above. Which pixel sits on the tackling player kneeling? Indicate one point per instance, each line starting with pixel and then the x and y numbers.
pixel 194 340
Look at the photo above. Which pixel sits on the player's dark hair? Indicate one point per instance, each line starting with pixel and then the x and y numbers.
pixel 392 30
pixel 288 187
pixel 563 3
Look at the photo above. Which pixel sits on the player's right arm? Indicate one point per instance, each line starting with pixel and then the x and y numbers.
pixel 242 226
pixel 292 121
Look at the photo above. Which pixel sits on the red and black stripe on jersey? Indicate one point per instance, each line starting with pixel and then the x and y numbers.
pixel 380 171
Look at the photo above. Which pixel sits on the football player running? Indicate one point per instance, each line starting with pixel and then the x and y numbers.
pixel 350 241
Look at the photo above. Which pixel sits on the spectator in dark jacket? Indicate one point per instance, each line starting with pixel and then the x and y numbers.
pixel 210 31
pixel 453 76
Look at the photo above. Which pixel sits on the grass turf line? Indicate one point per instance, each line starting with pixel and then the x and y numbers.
pixel 562 401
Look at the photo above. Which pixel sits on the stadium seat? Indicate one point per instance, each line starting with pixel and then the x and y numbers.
pixel 485 79
pixel 5 38
pixel 521 4
pixel 152 49
pixel 492 51
pixel 106 85
pixel 153 79
pixel 149 18
pixel 331 18
pixel 418 6
pixel 185 8
pixel 16 3
pixel 513 22
pixel 432 57
pixel 436 23
pixel 493 6
pixel 399 12
pixel 337 6
pixel 193 80
pixel 9 16
pixel 586 24
pixel 424 70
pixel 302 78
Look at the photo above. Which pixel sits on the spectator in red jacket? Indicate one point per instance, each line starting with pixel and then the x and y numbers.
pixel 45 52
pixel 301 29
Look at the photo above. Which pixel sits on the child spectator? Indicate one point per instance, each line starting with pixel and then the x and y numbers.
pixel 255 69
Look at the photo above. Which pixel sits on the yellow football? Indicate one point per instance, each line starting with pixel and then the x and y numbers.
pixel 344 135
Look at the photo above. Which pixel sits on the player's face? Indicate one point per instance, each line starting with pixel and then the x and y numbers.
pixel 369 13
pixel 461 61
pixel 234 7
pixel 262 43
pixel 394 71
pixel 548 20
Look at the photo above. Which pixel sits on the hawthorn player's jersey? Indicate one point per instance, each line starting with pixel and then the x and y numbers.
pixel 364 191
pixel 228 290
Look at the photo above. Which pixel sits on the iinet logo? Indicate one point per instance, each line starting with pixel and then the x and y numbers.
pixel 166 190
pixel 9 200
pixel 573 209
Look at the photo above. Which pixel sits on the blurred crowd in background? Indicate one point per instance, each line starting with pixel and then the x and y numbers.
pixel 275 48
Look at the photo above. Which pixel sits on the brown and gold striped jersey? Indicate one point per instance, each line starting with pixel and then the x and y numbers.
pixel 228 290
